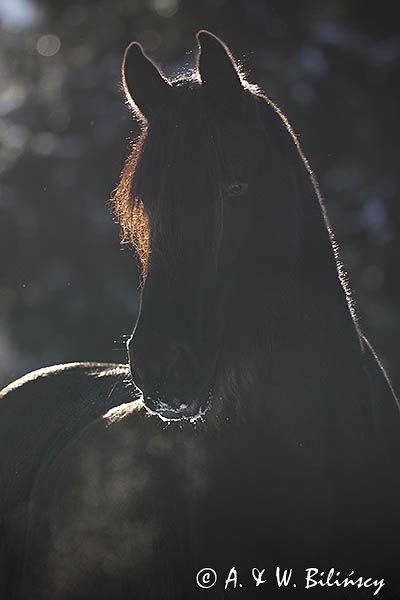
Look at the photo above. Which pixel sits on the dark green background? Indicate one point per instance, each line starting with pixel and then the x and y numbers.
pixel 67 290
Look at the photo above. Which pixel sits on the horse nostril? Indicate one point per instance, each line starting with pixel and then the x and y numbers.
pixel 184 360
pixel 174 374
pixel 166 375
pixel 179 371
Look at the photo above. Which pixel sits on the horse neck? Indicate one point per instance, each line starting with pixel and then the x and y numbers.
pixel 296 337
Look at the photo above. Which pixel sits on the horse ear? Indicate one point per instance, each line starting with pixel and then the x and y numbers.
pixel 144 86
pixel 218 71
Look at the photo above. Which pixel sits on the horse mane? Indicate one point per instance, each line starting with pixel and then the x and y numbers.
pixel 130 210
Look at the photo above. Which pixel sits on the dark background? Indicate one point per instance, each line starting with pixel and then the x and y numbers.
pixel 67 290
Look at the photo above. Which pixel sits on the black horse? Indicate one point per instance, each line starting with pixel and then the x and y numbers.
pixel 254 427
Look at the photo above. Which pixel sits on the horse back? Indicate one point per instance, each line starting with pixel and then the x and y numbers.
pixel 117 510
pixel 39 413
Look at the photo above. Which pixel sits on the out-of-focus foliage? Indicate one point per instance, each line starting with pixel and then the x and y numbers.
pixel 67 292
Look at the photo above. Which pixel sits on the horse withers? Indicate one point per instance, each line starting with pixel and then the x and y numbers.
pixel 253 428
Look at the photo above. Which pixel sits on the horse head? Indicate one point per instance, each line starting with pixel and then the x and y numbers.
pixel 211 198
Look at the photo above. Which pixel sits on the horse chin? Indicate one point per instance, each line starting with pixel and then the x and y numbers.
pixel 191 411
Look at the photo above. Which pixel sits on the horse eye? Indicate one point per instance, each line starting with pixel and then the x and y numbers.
pixel 236 188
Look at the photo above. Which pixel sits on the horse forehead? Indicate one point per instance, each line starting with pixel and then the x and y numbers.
pixel 200 141
pixel 195 116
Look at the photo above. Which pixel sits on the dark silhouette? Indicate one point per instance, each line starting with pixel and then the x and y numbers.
pixel 267 433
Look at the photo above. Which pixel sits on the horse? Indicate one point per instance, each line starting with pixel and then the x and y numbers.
pixel 253 430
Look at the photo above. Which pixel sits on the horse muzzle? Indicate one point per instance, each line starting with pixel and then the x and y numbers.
pixel 175 378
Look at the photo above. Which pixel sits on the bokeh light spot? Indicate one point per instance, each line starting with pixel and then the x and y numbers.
pixel 164 8
pixel 48 45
